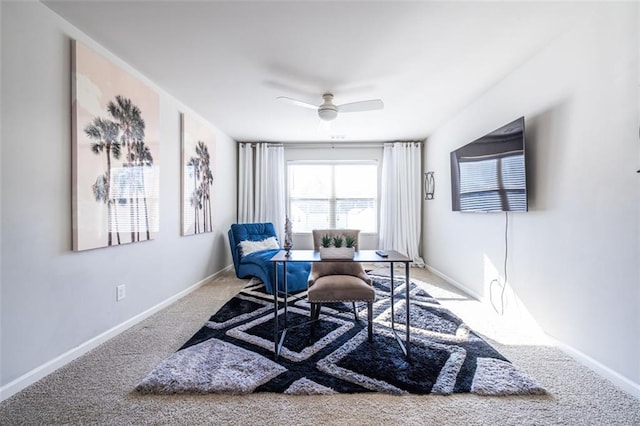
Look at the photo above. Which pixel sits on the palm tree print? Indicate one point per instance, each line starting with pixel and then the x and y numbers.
pixel 195 200
pixel 200 171
pixel 132 126
pixel 122 133
pixel 104 136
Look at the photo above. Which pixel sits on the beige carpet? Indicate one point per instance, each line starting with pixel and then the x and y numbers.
pixel 97 387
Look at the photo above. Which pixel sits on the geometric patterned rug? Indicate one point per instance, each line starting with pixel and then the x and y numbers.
pixel 233 352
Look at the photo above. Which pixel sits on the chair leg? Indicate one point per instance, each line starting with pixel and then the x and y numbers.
pixel 370 320
pixel 315 311
pixel 355 311
pixel 315 315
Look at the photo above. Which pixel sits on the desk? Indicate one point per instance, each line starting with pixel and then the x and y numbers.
pixel 365 256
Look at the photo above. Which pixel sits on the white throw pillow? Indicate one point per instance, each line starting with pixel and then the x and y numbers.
pixel 247 247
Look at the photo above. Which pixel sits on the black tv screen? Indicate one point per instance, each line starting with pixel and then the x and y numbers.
pixel 489 174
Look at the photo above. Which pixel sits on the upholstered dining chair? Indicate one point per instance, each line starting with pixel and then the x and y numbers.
pixel 339 281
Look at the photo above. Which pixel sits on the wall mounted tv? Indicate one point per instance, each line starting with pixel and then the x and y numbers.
pixel 489 174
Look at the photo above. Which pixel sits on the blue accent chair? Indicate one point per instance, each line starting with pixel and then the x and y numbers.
pixel 257 264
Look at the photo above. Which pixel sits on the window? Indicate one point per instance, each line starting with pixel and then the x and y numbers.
pixel 333 195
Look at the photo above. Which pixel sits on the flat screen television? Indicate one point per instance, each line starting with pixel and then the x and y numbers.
pixel 489 174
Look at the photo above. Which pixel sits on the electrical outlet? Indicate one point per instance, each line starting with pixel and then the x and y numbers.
pixel 121 292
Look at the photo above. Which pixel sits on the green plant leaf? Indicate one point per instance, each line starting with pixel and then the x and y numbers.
pixel 326 240
pixel 350 241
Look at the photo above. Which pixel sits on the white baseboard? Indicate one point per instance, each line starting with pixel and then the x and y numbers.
pixel 617 379
pixel 614 377
pixel 49 367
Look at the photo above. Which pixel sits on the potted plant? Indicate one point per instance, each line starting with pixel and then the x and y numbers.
pixel 337 247
pixel 350 241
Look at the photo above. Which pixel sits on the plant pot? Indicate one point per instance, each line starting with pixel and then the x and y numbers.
pixel 337 252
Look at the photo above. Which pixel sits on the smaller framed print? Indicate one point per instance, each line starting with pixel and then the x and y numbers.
pixel 198 165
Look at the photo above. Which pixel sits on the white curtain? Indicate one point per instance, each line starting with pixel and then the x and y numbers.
pixel 261 192
pixel 245 183
pixel 400 199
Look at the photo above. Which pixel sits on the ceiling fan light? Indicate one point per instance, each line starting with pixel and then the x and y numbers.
pixel 327 114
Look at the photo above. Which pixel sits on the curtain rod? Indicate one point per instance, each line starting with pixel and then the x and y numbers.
pixel 332 145
pixel 344 144
pixel 253 144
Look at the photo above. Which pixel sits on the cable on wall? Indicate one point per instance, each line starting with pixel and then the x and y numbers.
pixel 496 280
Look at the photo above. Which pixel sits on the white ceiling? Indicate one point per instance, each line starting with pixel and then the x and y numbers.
pixel 229 61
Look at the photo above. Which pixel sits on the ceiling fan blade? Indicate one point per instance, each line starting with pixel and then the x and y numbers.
pixel 369 105
pixel 297 102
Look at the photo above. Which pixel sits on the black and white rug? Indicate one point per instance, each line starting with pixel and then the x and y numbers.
pixel 233 352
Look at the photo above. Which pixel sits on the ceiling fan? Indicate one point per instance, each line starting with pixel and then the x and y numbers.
pixel 328 111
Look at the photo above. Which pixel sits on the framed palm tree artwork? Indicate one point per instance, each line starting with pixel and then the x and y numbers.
pixel 115 154
pixel 198 166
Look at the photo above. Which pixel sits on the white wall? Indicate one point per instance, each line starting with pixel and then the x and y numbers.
pixel 574 257
pixel 54 300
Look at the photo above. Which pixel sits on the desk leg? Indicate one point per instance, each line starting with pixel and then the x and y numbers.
pixel 393 316
pixel 403 345
pixel 407 300
pixel 275 312
pixel 286 293
pixel 278 338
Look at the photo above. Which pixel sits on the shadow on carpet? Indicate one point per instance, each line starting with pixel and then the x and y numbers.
pixel 233 352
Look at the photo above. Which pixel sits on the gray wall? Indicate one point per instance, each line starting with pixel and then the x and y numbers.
pixel 55 302
pixel 574 257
